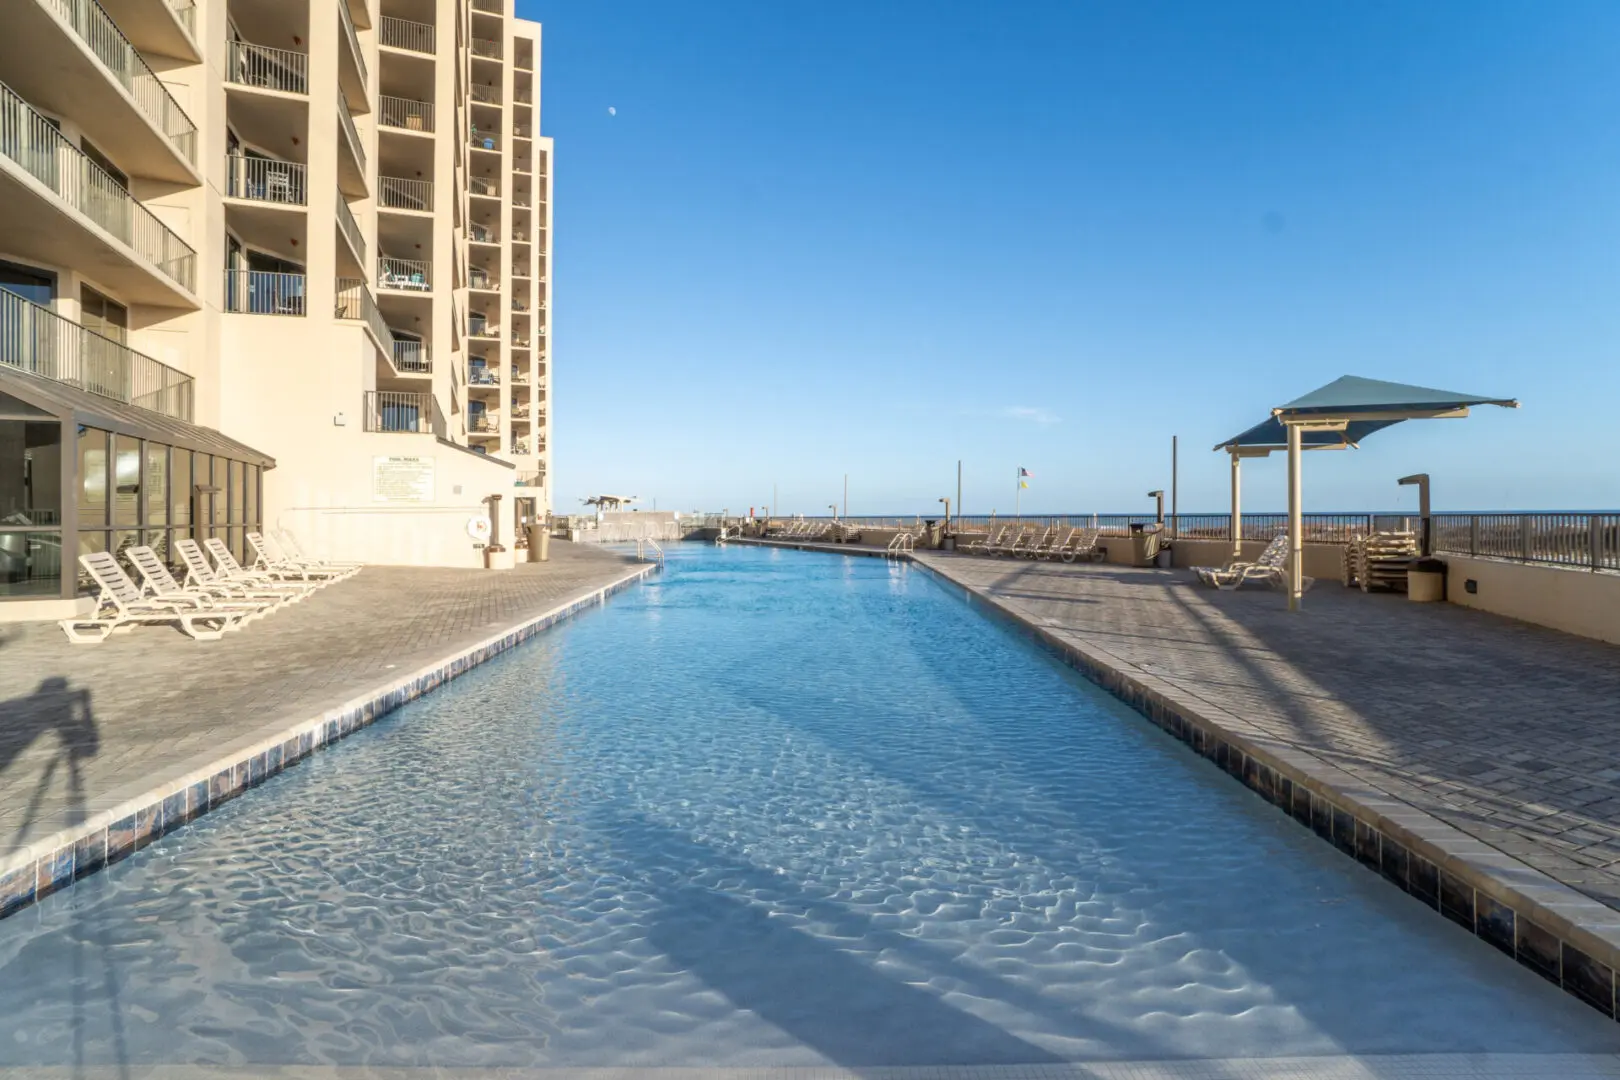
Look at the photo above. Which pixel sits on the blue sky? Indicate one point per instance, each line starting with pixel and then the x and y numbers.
pixel 875 237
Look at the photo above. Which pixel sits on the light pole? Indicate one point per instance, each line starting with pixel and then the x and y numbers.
pixel 1426 539
pixel 1159 495
pixel 947 501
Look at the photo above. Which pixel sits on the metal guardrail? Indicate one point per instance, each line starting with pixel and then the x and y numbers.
pixel 483 185
pixel 399 411
pixel 398 193
pixel 486 48
pixel 354 301
pixel 351 229
pixel 491 7
pixel 484 92
pixel 1590 541
pixel 268 69
pixel 406 114
pixel 186 12
pixel 411 275
pixel 96 29
pixel 349 35
pixel 31 141
pixel 404 34
pixel 261 292
pixel 346 121
pixel 265 180
pixel 413 356
pixel 36 340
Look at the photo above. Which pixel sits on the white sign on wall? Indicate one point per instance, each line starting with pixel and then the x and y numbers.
pixel 401 478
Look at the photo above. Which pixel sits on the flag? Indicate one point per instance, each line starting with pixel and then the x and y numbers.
pixel 1023 483
pixel 1022 472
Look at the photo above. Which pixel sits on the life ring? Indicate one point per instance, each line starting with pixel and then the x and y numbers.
pixel 478 528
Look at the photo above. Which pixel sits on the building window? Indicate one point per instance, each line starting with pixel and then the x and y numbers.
pixel 28 283
pixel 103 315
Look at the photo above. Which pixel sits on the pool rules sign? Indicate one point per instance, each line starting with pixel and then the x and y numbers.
pixel 401 479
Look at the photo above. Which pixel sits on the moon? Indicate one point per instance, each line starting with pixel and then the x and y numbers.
pixel 612 111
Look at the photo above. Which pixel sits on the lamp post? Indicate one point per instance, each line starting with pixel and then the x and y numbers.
pixel 947 501
pixel 1425 537
pixel 1159 513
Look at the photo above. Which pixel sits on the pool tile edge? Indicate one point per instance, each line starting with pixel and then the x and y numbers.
pixel 127 819
pixel 1551 929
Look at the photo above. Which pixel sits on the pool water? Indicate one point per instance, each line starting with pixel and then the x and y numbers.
pixel 771 808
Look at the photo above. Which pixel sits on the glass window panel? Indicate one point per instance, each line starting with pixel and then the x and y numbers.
pixel 92 477
pixel 30 472
pixel 251 496
pixel 127 480
pixel 180 488
pixel 155 484
pixel 236 491
pixel 12 406
pixel 219 499
pixel 234 540
pixel 30 563
pixel 89 542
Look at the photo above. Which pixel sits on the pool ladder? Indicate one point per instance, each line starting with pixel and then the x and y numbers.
pixel 901 545
pixel 649 550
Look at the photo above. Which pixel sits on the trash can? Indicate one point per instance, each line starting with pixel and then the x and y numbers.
pixel 1144 544
pixel 1426 581
pixel 539 542
pixel 933 533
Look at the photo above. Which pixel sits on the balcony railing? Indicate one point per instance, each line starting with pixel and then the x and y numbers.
pixel 483 185
pixel 483 376
pixel 37 340
pixel 523 97
pixel 520 446
pixel 485 47
pixel 1587 541
pixel 260 292
pixel 186 12
pixel 536 478
pixel 347 21
pixel 412 275
pixel 492 7
pixel 268 69
pixel 483 424
pixel 265 180
pixel 412 356
pixel 404 113
pixel 481 235
pixel 96 29
pixel 354 301
pixel 346 121
pixel 399 411
pixel 350 227
pixel 519 375
pixel 489 95
pixel 479 279
pixel 405 34
pixel 31 141
pixel 397 193
pixel 485 139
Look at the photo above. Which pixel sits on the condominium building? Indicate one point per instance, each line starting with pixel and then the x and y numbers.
pixel 269 263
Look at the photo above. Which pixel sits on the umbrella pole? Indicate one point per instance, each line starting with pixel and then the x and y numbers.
pixel 1296 537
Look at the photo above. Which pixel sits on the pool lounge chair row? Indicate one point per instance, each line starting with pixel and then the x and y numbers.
pixel 215 599
pixel 1270 568
pixel 1026 542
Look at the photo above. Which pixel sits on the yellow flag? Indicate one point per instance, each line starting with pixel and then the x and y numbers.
pixel 1023 483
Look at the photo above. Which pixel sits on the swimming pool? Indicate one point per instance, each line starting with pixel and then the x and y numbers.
pixel 772 808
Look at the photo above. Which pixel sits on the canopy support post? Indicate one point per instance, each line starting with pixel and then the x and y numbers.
pixel 1237 506
pixel 1296 521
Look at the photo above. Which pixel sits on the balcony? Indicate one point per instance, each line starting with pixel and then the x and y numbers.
pixel 399 412
pixel 397 193
pixel 404 275
pixel 351 166
pixel 265 180
pixel 355 302
pixel 480 234
pixel 485 94
pixel 486 139
pixel 416 37
pixel 404 114
pixel 70 58
pixel 483 187
pixel 483 376
pixel 482 423
pixel 520 446
pixel 260 292
pixel 350 229
pixel 484 48
pixel 263 68
pixel 480 327
pixel 158 27
pixel 478 278
pixel 38 341
pixel 61 208
pixel 412 357
pixel 352 62
pixel 487 7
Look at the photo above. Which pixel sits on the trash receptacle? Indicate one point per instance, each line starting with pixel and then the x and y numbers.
pixel 1144 544
pixel 539 542
pixel 932 533
pixel 1426 581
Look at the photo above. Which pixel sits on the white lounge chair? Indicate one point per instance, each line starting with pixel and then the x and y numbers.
pixel 979 546
pixel 231 570
pixel 201 574
pixel 1020 542
pixel 1080 544
pixel 120 606
pixel 292 549
pixel 273 560
pixel 158 584
pixel 1271 568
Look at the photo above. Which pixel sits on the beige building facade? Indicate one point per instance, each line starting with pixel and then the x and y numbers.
pixel 312 236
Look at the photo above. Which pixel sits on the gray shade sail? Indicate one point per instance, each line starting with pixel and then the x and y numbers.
pixel 1269 435
pixel 73 405
pixel 1351 394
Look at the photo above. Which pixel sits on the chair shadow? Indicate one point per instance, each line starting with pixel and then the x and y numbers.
pixel 54 708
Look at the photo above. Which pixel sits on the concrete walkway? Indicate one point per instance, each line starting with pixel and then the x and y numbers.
pixel 82 724
pixel 1503 730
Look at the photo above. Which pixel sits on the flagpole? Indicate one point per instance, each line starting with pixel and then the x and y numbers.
pixel 1018 494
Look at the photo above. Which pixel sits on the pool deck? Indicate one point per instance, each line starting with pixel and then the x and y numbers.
pixel 1469 758
pixel 104 746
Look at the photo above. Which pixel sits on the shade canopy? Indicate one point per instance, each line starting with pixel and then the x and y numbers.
pixel 1269 435
pixel 1351 396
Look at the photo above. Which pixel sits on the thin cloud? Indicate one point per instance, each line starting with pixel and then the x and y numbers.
pixel 1028 413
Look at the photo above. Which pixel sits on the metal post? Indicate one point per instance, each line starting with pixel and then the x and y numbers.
pixel 1237 507
pixel 1018 493
pixel 773 498
pixel 1296 523
pixel 846 494
pixel 958 487
pixel 1175 477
